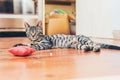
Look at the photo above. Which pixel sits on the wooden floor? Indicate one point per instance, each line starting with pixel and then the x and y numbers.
pixel 59 64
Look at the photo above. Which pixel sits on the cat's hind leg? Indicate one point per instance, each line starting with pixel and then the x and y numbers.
pixel 96 48
pixel 86 48
pixel 83 47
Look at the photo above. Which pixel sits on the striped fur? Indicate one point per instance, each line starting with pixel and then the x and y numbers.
pixel 41 42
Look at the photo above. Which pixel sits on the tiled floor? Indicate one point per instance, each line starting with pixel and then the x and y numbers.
pixel 59 64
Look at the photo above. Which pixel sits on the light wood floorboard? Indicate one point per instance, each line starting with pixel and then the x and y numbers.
pixel 59 64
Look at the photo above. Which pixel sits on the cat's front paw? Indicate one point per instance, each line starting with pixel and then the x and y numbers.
pixel 20 44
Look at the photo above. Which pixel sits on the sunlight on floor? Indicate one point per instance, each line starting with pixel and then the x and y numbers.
pixel 116 77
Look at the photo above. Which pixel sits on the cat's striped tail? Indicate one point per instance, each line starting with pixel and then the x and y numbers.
pixel 109 46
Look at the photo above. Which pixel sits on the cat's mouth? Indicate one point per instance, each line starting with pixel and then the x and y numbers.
pixel 34 38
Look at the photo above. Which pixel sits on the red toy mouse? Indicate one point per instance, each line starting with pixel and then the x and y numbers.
pixel 21 50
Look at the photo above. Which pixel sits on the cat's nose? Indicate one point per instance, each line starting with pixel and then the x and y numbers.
pixel 33 33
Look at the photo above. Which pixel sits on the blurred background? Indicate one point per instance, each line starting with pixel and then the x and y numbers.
pixel 13 14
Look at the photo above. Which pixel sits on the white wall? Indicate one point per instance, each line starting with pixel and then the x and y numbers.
pixel 116 14
pixel 94 18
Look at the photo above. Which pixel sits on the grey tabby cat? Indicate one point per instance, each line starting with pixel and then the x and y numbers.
pixel 42 42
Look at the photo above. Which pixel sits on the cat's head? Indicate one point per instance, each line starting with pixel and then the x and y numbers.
pixel 34 32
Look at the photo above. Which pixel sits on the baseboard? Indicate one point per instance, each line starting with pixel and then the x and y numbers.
pixel 13 34
pixel 116 34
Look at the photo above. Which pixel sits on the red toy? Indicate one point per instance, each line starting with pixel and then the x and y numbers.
pixel 21 51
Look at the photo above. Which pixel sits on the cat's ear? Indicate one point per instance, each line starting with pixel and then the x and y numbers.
pixel 39 24
pixel 26 25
